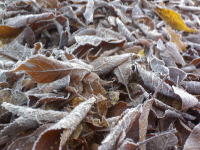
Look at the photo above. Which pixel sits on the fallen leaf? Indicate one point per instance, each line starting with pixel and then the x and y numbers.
pixel 53 137
pixel 123 126
pixel 8 31
pixel 193 141
pixel 26 142
pixel 143 121
pixel 188 100
pixel 173 19
pixel 44 69
pixel 104 65
pixel 24 20
pixel 48 3
pixel 176 38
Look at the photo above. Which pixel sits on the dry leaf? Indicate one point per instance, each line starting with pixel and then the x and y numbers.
pixel 48 3
pixel 67 125
pixel 173 19
pixel 117 134
pixel 143 121
pixel 44 69
pixel 9 32
pixel 188 100
pixel 193 141
pixel 26 142
pixel 176 38
pixel 24 20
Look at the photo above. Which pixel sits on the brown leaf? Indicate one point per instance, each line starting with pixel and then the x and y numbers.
pixel 188 100
pixel 48 3
pixel 52 137
pixel 8 31
pixel 163 141
pixel 44 69
pixel 119 131
pixel 10 96
pixel 26 142
pixel 143 121
pixel 104 65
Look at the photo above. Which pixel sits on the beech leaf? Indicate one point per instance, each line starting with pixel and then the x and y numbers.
pixel 43 69
pixel 173 19
pixel 9 32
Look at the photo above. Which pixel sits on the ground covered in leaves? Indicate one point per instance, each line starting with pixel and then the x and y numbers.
pixel 99 74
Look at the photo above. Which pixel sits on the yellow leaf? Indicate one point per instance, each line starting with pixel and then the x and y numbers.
pixel 176 38
pixel 173 19
pixel 141 53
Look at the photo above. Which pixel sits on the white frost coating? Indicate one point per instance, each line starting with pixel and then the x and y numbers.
pixel 57 84
pixel 77 114
pixel 35 114
pixel 188 100
pixel 88 14
pixel 103 65
pixel 29 65
pixel 89 39
pixel 123 126
pixel 70 122
pixel 20 21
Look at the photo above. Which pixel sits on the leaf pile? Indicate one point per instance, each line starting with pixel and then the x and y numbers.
pixel 99 75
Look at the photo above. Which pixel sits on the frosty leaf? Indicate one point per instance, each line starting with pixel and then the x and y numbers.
pixel 163 140
pixel 188 100
pixel 68 124
pixel 143 121
pixel 176 38
pixel 128 117
pixel 193 141
pixel 173 19
pixel 175 53
pixel 30 139
pixel 23 20
pixel 104 65
pixel 44 69
pixel 88 14
pixel 34 114
pixel 192 87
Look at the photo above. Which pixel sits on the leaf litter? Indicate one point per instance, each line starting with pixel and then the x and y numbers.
pixel 99 75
